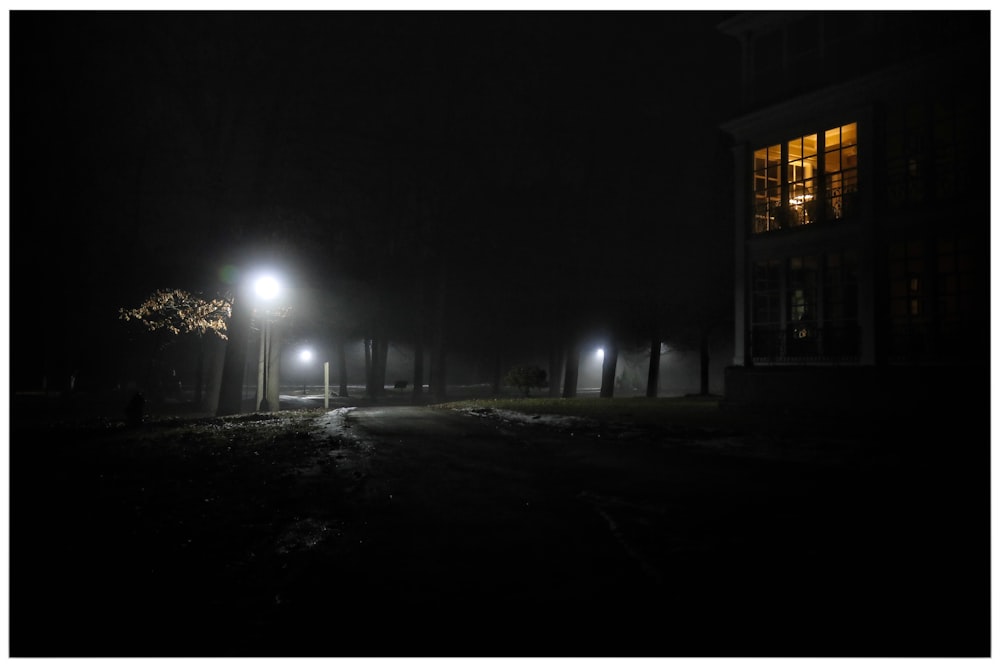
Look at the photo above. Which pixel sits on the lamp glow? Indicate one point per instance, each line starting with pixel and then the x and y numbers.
pixel 267 287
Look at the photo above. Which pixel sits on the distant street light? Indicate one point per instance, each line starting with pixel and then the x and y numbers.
pixel 267 288
pixel 305 356
pixel 600 353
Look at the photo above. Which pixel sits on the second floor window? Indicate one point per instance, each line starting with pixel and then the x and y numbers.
pixel 807 179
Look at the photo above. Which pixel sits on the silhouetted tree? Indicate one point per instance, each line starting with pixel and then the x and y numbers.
pixel 525 378
pixel 653 379
pixel 178 311
pixel 608 367
pixel 572 373
pixel 235 358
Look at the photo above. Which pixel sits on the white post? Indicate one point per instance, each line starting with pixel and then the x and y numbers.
pixel 326 385
pixel 260 374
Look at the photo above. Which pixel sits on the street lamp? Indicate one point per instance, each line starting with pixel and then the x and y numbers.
pixel 305 356
pixel 267 288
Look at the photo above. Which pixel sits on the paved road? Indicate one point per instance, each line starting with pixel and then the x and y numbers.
pixel 471 536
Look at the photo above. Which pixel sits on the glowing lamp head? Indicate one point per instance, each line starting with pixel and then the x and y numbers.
pixel 600 353
pixel 267 287
pixel 305 356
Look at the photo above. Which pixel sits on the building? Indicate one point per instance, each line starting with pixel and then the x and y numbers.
pixel 861 154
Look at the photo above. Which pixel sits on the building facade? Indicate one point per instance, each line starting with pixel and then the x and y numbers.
pixel 862 209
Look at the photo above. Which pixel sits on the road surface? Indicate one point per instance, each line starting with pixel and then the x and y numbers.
pixel 421 532
pixel 474 536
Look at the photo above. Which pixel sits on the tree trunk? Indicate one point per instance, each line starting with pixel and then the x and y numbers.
pixel 261 394
pixel 216 348
pixel 199 376
pixel 369 381
pixel 439 384
pixel 420 330
pixel 608 370
pixel 273 389
pixel 704 364
pixel 497 370
pixel 380 355
pixel 572 373
pixel 342 366
pixel 234 363
pixel 376 351
pixel 418 370
pixel 653 379
pixel 151 385
pixel 556 355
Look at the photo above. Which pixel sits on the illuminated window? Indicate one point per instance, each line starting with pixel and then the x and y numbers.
pixel 767 188
pixel 802 172
pixel 793 186
pixel 840 169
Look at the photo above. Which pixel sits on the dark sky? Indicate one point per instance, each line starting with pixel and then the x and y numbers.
pixel 568 154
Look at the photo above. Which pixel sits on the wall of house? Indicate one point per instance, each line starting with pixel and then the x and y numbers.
pixel 878 93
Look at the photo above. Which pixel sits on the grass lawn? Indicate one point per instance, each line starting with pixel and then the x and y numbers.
pixel 688 412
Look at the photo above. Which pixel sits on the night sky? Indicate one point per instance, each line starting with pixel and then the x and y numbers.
pixel 545 169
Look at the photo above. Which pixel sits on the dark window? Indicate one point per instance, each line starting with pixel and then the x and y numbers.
pixel 841 335
pixel 765 323
pixel 909 339
pixel 803 307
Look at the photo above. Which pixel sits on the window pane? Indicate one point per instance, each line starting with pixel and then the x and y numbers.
pixel 832 138
pixel 849 157
pixel 840 162
pixel 832 162
pixel 849 135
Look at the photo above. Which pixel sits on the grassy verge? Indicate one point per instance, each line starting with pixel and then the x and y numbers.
pixel 687 412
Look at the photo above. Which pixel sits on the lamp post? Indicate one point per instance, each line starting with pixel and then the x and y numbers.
pixel 267 288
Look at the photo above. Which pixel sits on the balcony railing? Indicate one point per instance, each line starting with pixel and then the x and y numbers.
pixel 806 344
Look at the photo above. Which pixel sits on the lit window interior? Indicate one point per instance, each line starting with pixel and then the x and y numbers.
pixel 806 179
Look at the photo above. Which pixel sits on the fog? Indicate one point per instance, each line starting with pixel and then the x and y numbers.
pixel 495 199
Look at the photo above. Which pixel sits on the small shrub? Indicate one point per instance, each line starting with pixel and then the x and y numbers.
pixel 526 377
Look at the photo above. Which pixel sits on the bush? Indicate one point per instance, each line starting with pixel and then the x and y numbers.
pixel 526 377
